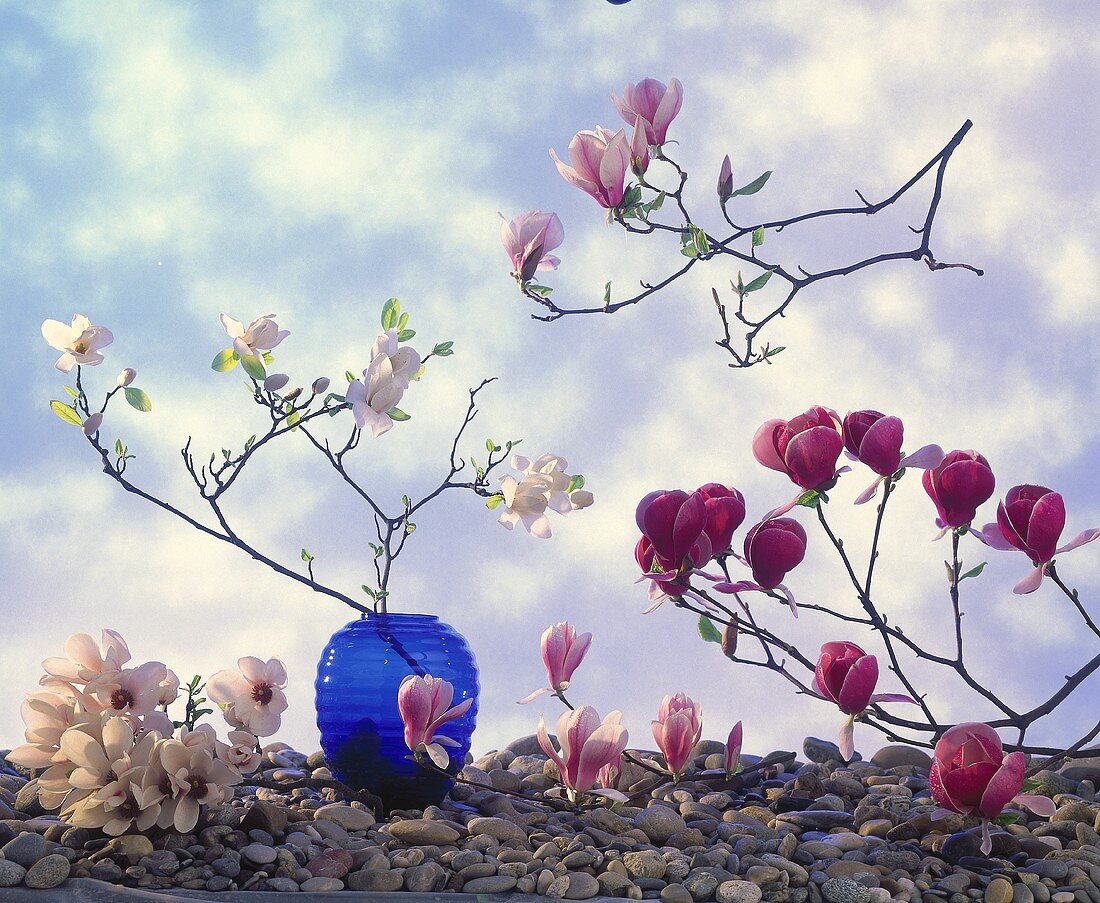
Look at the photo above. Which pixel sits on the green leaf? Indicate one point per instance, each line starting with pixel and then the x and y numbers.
pixel 391 314
pixel 444 349
pixel 66 413
pixel 70 391
pixel 758 236
pixel 253 366
pixel 543 291
pixel 403 322
pixel 1008 818
pixel 410 527
pixel 1031 785
pixel 708 631
pixel 494 501
pixel 292 419
pixel 138 399
pixel 607 294
pixel 759 282
pixel 224 360
pixel 120 449
pixel 633 197
pixel 974 571
pixel 405 334
pixel 490 446
pixel 772 352
pixel 349 376
pixel 809 498
pixel 268 357
pixel 306 556
pixel 655 204
pixel 576 483
pixel 754 186
pixel 397 414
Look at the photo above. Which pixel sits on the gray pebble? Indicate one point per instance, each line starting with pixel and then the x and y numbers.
pixel 50 871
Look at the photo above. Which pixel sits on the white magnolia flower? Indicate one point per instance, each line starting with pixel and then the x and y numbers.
pixel 79 343
pixel 254 694
pixel 240 752
pixel 561 499
pixel 190 777
pixel 131 693
pixel 169 689
pixel 543 486
pixel 383 384
pixel 84 661
pixel 262 335
pixel 46 716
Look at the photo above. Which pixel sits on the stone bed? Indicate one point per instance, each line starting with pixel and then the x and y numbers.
pixel 860 833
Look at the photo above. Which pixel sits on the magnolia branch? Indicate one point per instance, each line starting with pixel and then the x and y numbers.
pixel 635 215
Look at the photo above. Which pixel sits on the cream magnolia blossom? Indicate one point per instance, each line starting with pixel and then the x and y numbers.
pixel 84 660
pixel 168 689
pixel 79 343
pixel 544 486
pixel 383 384
pixel 190 777
pixel 261 335
pixel 46 716
pixel 132 693
pixel 241 752
pixel 255 693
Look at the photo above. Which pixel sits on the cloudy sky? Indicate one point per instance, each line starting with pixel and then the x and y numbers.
pixel 162 163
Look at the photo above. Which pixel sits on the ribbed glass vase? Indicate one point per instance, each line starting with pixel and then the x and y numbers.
pixel 361 730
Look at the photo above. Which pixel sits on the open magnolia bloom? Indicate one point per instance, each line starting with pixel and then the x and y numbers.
pixel 587 746
pixel 383 384
pixel 971 775
pixel 46 716
pixel 190 777
pixel 255 693
pixel 132 693
pixel 528 240
pixel 262 335
pixel 85 660
pixel 544 486
pixel 79 343
pixel 425 706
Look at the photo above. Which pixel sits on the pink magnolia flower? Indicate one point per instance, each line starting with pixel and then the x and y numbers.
pixel 131 693
pixel 562 652
pixel 875 440
pixel 84 660
pixel 652 102
pixel 725 510
pixel 773 548
pixel 383 384
pixel 78 343
pixel 425 706
pixel 587 745
pixel 847 675
pixel 677 730
pixel 262 335
pixel 733 750
pixel 240 752
pixel 1031 519
pixel 805 448
pixel 169 688
pixel 528 239
pixel 46 716
pixel 971 775
pixel 600 161
pixel 255 693
pixel 725 180
pixel 957 486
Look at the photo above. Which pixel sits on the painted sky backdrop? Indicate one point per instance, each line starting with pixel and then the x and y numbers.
pixel 163 163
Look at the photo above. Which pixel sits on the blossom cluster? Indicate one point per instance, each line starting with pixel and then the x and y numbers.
pixel 111 757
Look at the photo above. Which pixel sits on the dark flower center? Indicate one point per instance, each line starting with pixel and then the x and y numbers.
pixel 261 692
pixel 198 786
pixel 121 699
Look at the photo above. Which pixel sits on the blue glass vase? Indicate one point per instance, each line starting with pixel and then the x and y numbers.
pixel 362 734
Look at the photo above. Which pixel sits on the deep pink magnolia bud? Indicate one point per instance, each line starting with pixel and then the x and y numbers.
pixel 725 508
pixel 725 180
pixel 639 149
pixel 733 749
pixel 772 548
pixel 654 103
pixel 677 730
pixel 805 448
pixel 971 774
pixel 600 162
pixel 674 522
pixel 958 485
pixel 528 239
pixel 875 440
pixel 846 675
pixel 1031 519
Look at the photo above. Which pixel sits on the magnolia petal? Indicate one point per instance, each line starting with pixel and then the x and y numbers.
pixel 1040 805
pixel 846 739
pixel 533 696
pixel 869 493
pixel 438 755
pixel 607 793
pixel 924 458
pixel 1082 538
pixel 893 697
pixel 987 839
pixel 992 536
pixel 1031 582
pixel 786 593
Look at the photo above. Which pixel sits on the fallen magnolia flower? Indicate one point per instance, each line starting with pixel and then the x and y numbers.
pixel 587 745
pixel 80 343
pixel 528 240
pixel 600 162
pixel 961 482
pixel 425 706
pixel 654 104
pixel 971 775
pixel 847 675
pixel 1031 519
pixel 874 439
pixel 562 652
pixel 677 730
